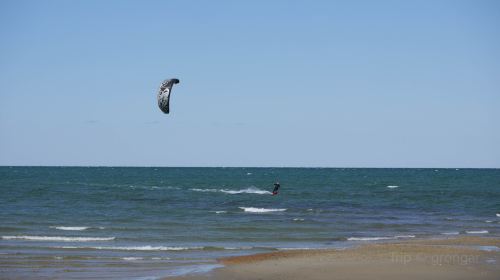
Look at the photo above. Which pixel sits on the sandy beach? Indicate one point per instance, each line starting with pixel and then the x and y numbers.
pixel 452 258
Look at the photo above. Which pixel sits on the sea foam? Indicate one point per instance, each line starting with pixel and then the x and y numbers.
pixel 250 190
pixel 69 228
pixel 405 236
pixel 379 238
pixel 451 233
pixel 58 238
pixel 204 190
pixel 367 238
pixel 152 248
pixel 296 248
pixel 133 248
pixel 476 231
pixel 132 258
pixel 261 210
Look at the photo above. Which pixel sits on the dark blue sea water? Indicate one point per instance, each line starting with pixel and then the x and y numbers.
pixel 146 223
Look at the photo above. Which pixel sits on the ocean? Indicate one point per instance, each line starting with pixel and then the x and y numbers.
pixel 152 222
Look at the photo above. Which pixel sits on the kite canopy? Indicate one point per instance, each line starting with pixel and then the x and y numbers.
pixel 164 94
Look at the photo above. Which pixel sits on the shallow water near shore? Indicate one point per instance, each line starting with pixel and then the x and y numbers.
pixel 148 223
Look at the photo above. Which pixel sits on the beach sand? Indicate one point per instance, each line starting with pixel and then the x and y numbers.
pixel 452 258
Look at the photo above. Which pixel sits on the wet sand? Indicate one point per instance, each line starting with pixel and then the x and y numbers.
pixel 452 258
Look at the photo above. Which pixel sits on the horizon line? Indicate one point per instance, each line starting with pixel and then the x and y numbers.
pixel 291 167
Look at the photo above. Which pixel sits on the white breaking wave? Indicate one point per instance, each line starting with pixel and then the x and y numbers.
pixel 367 238
pixel 451 233
pixel 379 238
pixel 295 248
pixel 250 190
pixel 488 221
pixel 238 248
pixel 261 210
pixel 204 190
pixel 404 236
pixel 69 228
pixel 392 187
pixel 476 231
pixel 134 248
pixel 298 219
pixel 219 212
pixel 58 238
pixel 132 258
pixel 498 215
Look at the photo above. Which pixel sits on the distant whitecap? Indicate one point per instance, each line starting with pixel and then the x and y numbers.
pixel 404 236
pixel 261 210
pixel 132 258
pixel 58 238
pixel 477 231
pixel 69 228
pixel 451 233
pixel 251 190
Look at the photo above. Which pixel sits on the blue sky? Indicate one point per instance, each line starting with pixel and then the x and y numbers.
pixel 263 83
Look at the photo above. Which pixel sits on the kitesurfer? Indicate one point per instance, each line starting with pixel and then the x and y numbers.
pixel 276 188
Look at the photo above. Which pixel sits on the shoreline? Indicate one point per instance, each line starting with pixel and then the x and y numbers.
pixel 446 258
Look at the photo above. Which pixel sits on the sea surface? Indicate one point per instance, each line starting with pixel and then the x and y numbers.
pixel 149 223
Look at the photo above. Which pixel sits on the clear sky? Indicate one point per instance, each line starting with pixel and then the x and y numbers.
pixel 263 83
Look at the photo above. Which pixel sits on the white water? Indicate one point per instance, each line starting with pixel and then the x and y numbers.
pixel 379 238
pixel 134 248
pixel 476 231
pixel 69 228
pixel 451 233
pixel 251 190
pixel 58 238
pixel 261 210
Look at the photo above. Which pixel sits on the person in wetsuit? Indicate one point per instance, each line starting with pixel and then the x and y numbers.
pixel 276 188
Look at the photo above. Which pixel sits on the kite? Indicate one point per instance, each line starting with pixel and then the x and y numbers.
pixel 164 94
